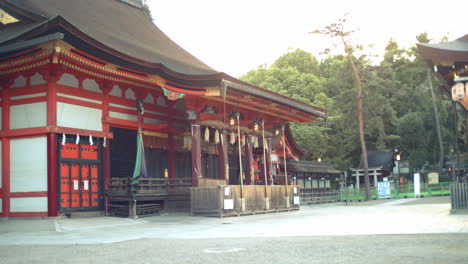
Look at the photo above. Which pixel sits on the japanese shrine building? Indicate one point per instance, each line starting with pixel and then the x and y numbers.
pixel 80 78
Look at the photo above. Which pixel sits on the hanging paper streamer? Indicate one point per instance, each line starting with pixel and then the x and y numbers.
pixel 104 142
pixel 233 138
pixel 255 141
pixel 243 140
pixel 64 139
pixel 77 139
pixel 216 136
pixel 207 134
pixel 91 140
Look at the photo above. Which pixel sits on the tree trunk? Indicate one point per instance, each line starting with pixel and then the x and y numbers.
pixel 360 118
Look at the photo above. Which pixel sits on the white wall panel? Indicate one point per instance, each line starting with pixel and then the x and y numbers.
pixel 20 81
pixel 28 204
pixel 28 115
pixel 116 91
pixel 28 164
pixel 37 79
pixel 80 117
pixel 123 116
pixel 69 80
pixel 91 85
pixel 153 121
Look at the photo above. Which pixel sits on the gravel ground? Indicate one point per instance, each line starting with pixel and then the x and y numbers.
pixel 381 231
pixel 424 249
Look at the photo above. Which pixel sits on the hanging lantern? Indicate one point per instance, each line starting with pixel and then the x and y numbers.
pixel 64 139
pixel 458 92
pixel 91 140
pixel 77 139
pixel 216 136
pixel 104 142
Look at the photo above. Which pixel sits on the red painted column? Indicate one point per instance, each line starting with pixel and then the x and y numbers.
pixel 196 155
pixel 52 77
pixel 249 171
pixel 6 151
pixel 52 180
pixel 223 156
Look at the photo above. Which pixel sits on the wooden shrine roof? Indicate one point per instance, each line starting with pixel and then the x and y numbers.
pixel 446 52
pixel 449 60
pixel 122 27
pixel 124 35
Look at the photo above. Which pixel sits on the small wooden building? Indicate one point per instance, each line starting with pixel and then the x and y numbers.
pixel 92 89
pixel 314 175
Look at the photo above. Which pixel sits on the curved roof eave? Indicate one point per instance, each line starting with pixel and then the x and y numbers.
pixel 456 50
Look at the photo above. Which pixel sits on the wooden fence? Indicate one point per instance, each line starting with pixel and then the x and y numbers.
pixel 459 198
pixel 315 196
pixel 226 200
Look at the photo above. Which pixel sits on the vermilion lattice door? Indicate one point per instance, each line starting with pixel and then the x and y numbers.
pixel 80 184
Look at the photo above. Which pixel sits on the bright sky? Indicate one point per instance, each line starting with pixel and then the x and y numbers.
pixel 236 36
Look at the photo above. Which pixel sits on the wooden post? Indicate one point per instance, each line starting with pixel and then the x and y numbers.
pixel 249 171
pixel 6 176
pixel 239 144
pixel 196 155
pixel 52 77
pixel 172 152
pixel 6 150
pixel 264 160
pixel 285 169
pixel 223 156
pixel 268 162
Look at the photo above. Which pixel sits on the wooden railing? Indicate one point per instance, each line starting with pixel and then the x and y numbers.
pixel 226 200
pixel 146 186
pixel 459 197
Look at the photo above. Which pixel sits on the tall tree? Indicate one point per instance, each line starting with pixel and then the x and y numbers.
pixel 338 30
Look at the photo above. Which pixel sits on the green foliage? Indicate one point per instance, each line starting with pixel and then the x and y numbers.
pixel 398 110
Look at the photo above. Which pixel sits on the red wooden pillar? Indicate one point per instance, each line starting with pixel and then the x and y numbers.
pixel 106 89
pixel 223 156
pixel 6 150
pixel 52 77
pixel 249 171
pixel 6 176
pixel 268 162
pixel 52 180
pixel 196 155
